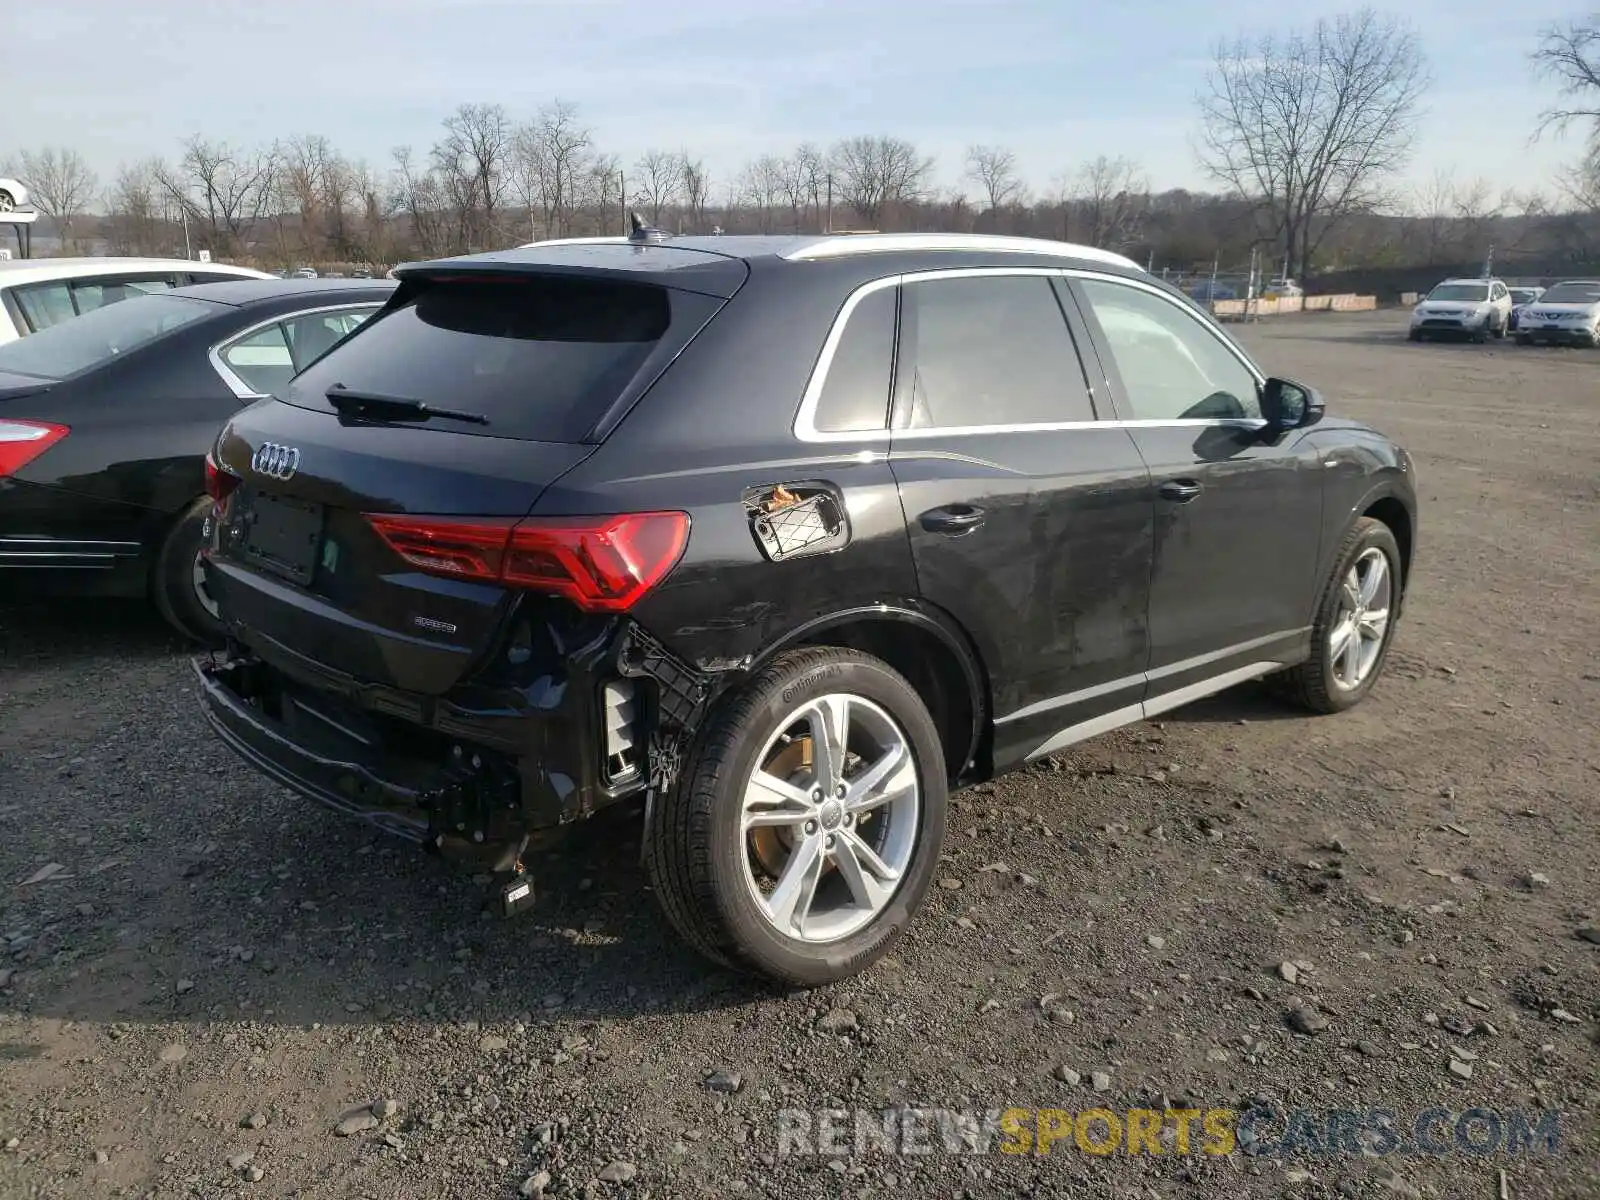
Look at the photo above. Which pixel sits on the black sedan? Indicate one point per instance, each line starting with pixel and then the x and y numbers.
pixel 105 422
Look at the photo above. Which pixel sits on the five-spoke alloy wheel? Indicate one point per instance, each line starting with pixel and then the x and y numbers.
pixel 806 826
pixel 1355 622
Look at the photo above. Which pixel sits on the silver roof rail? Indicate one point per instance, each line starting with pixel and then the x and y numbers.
pixel 845 245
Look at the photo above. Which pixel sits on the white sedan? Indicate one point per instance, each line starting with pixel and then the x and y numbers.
pixel 12 195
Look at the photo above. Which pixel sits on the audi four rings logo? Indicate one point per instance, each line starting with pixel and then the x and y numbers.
pixel 275 461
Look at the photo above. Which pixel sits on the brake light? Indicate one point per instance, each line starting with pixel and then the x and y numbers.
pixel 23 441
pixel 220 481
pixel 601 564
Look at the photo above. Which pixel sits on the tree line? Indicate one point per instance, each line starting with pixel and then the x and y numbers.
pixel 1304 133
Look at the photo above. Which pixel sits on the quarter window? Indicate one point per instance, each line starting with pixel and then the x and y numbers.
pixel 45 304
pixel 1173 366
pixel 855 392
pixel 262 360
pixel 993 350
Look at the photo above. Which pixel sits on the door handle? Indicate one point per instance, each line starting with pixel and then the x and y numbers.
pixel 1179 491
pixel 954 518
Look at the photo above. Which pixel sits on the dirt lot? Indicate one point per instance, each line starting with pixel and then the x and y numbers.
pixel 219 970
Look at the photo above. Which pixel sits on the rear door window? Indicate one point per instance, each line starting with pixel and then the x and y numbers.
pixel 541 357
pixel 993 350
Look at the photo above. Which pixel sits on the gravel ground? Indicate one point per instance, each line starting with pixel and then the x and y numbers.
pixel 218 980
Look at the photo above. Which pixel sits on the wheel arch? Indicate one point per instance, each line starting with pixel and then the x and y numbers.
pixel 1387 506
pixel 932 652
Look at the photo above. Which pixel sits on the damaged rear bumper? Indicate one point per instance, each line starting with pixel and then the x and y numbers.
pixel 474 777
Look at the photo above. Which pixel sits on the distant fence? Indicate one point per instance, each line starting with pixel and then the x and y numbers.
pixel 1344 302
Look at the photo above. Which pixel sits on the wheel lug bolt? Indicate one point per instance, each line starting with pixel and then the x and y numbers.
pixel 811 826
pixel 816 793
pixel 849 818
pixel 830 841
pixel 840 791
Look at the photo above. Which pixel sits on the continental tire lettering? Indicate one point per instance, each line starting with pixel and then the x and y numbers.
pixel 811 680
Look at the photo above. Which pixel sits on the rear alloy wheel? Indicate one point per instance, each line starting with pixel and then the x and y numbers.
pixel 806 827
pixel 7 203
pixel 1355 622
pixel 178 584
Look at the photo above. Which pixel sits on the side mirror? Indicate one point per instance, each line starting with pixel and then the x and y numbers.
pixel 1288 405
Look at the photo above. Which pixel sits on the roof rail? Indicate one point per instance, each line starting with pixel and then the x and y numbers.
pixel 575 241
pixel 842 246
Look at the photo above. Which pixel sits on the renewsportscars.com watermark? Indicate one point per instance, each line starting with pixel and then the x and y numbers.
pixel 1261 1132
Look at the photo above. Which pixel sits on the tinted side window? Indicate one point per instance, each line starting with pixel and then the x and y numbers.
pixel 1173 366
pixel 855 393
pixel 262 360
pixel 45 304
pixel 993 350
pixel 90 294
pixel 313 335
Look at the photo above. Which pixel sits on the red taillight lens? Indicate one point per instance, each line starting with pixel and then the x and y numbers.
pixel 23 441
pixel 220 481
pixel 601 564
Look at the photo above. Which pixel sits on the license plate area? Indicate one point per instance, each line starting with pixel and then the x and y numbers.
pixel 283 536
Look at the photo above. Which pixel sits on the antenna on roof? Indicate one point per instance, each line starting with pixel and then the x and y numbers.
pixel 639 233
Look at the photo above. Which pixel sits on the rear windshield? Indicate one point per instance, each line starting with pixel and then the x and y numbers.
pixel 1460 291
pixel 97 337
pixel 1572 293
pixel 541 358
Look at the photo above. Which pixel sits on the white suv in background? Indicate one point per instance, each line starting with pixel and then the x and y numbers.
pixel 36 293
pixel 1567 312
pixel 1475 308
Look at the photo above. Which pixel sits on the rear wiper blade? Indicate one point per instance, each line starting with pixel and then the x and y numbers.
pixel 376 406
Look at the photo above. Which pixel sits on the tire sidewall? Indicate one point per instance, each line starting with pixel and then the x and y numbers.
pixel 1370 534
pixel 759 942
pixel 173 584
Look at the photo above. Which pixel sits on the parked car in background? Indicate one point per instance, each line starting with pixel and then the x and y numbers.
pixel 1568 313
pixel 12 195
pixel 36 293
pixel 1521 297
pixel 1213 289
pixel 541 539
pixel 305 273
pixel 1475 308
pixel 105 422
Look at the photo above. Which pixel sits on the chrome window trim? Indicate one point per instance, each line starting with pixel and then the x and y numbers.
pixel 238 386
pixel 805 429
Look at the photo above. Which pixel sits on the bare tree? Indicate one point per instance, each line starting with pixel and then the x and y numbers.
pixel 420 196
pixel 1569 55
pixel 135 218
pixel 874 174
pixel 696 189
pixel 551 156
pixel 222 189
pixel 1433 206
pixel 1313 125
pixel 471 161
pixel 660 176
pixel 761 186
pixel 1112 197
pixel 994 170
pixel 804 179
pixel 62 185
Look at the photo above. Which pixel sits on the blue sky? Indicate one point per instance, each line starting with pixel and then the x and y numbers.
pixel 1059 81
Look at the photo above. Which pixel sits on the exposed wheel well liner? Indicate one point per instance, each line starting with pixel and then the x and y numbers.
pixel 935 660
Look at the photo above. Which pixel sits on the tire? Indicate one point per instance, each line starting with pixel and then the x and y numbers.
pixel 1499 330
pixel 1322 684
pixel 1480 336
pixel 174 583
pixel 1524 340
pixel 704 863
pixel 1414 335
pixel 8 202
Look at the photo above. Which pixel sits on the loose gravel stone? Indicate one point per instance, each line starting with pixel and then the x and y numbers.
pixel 1306 1020
pixel 356 1123
pixel 619 1171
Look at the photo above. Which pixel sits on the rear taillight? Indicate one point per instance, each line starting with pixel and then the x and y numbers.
pixel 220 481
pixel 601 564
pixel 23 441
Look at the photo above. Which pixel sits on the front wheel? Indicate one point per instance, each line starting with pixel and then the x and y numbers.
pixel 1500 329
pixel 807 823
pixel 1355 622
pixel 178 583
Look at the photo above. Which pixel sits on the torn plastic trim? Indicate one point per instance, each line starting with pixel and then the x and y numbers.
pixel 682 695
